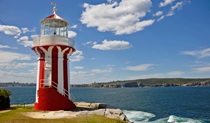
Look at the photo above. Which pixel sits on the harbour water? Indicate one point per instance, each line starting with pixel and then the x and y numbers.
pixel 141 105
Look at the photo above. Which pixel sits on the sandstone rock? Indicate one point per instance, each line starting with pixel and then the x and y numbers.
pixel 116 114
pixel 98 112
pixel 83 108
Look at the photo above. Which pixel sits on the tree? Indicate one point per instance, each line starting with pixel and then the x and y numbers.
pixel 4 99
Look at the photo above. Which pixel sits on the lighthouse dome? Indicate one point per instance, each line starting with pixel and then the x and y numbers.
pixel 54 25
pixel 54 31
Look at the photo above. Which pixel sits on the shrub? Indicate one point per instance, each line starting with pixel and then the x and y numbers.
pixel 4 99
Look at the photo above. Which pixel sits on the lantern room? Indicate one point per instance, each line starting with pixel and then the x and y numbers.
pixel 54 25
pixel 54 30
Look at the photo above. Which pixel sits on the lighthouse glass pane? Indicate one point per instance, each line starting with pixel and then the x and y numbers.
pixel 54 27
pixel 63 31
pixel 66 32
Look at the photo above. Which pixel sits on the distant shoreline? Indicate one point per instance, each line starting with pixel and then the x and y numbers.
pixel 153 82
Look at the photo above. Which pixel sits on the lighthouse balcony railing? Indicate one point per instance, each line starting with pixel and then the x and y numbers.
pixel 52 39
pixel 44 83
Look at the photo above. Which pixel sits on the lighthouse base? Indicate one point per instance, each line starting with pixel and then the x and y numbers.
pixel 49 100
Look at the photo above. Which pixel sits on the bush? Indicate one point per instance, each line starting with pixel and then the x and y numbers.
pixel 4 99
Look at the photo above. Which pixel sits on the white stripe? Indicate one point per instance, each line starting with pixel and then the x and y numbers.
pixel 48 66
pixel 68 78
pixel 60 71
pixel 38 72
pixel 70 52
pixel 68 69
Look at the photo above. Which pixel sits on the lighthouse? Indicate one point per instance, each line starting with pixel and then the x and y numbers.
pixel 53 48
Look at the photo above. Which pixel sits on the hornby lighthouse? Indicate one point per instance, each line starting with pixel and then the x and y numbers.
pixel 53 48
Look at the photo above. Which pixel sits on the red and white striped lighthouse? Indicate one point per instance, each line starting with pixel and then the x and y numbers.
pixel 53 48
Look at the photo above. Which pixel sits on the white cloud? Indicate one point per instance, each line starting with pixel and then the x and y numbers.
pixel 121 18
pixel 159 13
pixel 7 47
pixel 10 30
pixel 4 46
pixel 171 12
pixel 25 30
pixel 173 74
pixel 112 45
pixel 191 53
pixel 77 56
pixel 198 53
pixel 89 43
pixel 71 34
pixel 18 76
pixel 141 67
pixel 24 38
pixel 166 2
pixel 161 18
pixel 202 69
pixel 25 42
pixel 111 1
pixel 78 74
pixel 15 65
pixel 78 67
pixel 32 36
pixel 24 65
pixel 80 77
pixel 91 76
pixel 74 26
pixel 99 71
pixel 178 5
pixel 10 56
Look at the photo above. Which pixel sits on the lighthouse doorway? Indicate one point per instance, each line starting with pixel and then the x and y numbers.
pixel 48 78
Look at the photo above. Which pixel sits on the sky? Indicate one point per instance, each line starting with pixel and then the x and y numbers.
pixel 114 39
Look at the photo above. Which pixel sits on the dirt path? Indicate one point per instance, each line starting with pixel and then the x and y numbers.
pixel 4 111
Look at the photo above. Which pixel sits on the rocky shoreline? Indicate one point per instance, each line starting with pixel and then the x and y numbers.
pixel 83 109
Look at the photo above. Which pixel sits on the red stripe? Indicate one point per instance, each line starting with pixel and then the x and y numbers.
pixel 62 46
pixel 65 72
pixel 41 66
pixel 55 65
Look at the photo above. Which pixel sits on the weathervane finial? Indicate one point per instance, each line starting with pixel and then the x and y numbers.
pixel 54 8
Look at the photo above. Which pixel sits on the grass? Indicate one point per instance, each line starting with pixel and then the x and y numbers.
pixel 15 116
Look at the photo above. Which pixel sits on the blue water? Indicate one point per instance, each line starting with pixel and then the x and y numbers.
pixel 153 105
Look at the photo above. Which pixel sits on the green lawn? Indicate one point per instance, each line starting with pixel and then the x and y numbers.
pixel 15 116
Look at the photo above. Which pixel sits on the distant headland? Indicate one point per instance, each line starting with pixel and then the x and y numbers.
pixel 16 84
pixel 152 82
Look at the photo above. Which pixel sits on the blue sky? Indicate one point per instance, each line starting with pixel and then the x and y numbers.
pixel 115 39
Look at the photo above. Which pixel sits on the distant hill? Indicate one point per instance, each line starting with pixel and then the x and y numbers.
pixel 15 84
pixel 153 82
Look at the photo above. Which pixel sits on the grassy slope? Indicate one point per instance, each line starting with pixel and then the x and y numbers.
pixel 15 116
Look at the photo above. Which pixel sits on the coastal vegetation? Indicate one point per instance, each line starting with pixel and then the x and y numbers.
pixel 4 99
pixel 153 82
pixel 15 115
